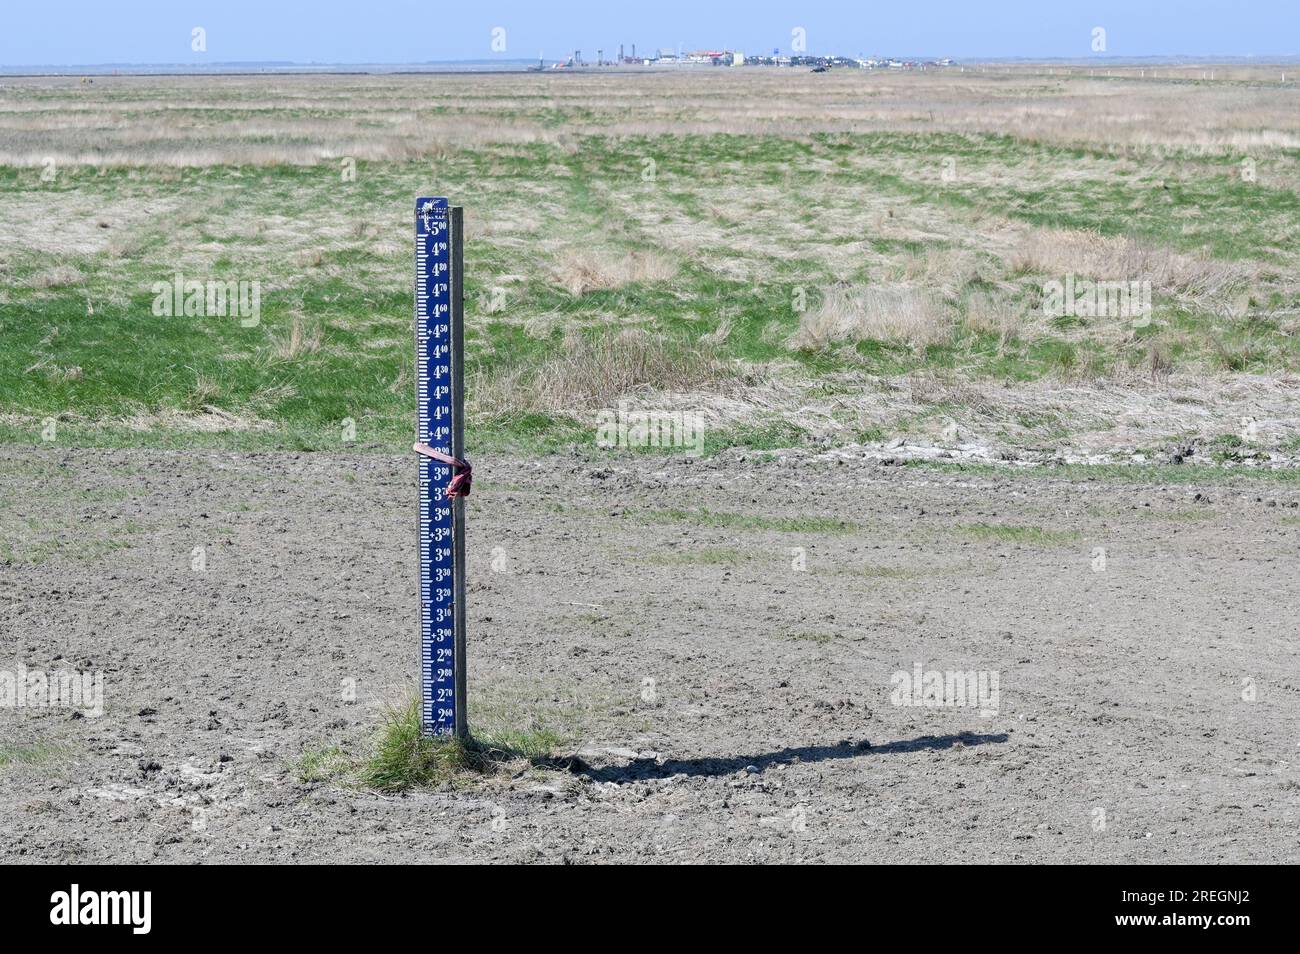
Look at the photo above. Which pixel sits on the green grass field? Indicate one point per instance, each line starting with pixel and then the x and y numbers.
pixel 797 283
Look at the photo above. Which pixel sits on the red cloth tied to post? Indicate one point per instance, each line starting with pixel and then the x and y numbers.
pixel 462 474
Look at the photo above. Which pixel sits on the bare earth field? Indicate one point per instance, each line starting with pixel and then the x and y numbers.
pixel 715 702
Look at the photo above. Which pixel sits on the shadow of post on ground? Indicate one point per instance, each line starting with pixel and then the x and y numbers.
pixel 642 769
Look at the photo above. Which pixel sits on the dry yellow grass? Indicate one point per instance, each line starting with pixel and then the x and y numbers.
pixel 901 314
pixel 581 271
pixel 60 276
pixel 596 372
pixel 998 316
pixel 942 271
pixel 1057 252
pixel 299 340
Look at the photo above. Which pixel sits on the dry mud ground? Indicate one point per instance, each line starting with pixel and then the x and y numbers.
pixel 1122 731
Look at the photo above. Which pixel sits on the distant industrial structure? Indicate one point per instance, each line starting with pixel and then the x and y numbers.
pixel 669 57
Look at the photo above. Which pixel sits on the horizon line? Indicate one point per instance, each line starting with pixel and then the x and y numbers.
pixel 1262 59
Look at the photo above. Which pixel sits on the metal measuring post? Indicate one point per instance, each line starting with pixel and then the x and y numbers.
pixel 440 430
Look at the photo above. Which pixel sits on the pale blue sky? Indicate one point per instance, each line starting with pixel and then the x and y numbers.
pixel 59 32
